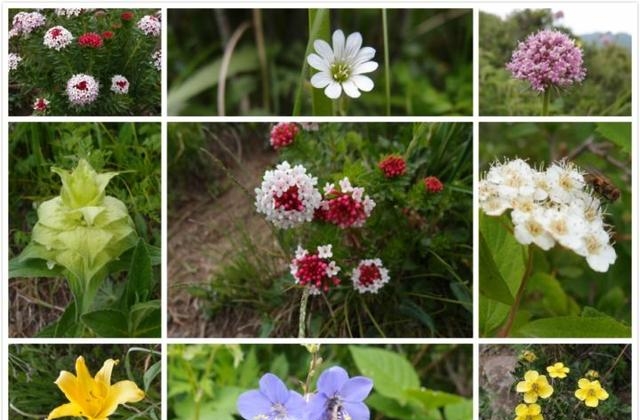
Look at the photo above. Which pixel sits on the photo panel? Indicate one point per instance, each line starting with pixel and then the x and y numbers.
pixel 85 221
pixel 319 382
pixel 329 62
pixel 555 230
pixel 320 229
pixel 84 62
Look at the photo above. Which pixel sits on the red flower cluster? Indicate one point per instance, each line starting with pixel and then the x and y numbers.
pixel 107 35
pixel 433 185
pixel 341 209
pixel 40 105
pixel 369 274
pixel 126 16
pixel 393 166
pixel 90 39
pixel 312 271
pixel 283 134
pixel 289 200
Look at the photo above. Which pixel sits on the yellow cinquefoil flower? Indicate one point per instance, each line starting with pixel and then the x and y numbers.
pixel 558 370
pixel 534 386
pixel 93 398
pixel 592 374
pixel 591 392
pixel 528 412
pixel 528 356
pixel 82 229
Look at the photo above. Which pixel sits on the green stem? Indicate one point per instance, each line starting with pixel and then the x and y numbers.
pixel 504 332
pixel 387 70
pixel 545 102
pixel 303 312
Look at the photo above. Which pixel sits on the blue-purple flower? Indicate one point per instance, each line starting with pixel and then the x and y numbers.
pixel 273 401
pixel 340 397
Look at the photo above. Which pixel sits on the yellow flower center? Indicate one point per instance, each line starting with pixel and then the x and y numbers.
pixel 340 72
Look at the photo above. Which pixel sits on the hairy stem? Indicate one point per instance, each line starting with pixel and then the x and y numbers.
pixel 303 313
pixel 545 102
pixel 504 332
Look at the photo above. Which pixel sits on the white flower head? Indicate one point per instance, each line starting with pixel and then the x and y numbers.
pixel 82 89
pixel 119 84
pixel 530 229
pixel 342 67
pixel 68 12
pixel 156 59
pixel 150 25
pixel 27 22
pixel 14 60
pixel 597 250
pixel 565 182
pixel 369 276
pixel 57 38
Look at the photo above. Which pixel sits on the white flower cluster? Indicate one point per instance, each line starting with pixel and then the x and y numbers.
pixel 369 276
pixel 68 12
pixel 82 89
pixel 26 22
pixel 150 25
pixel 57 38
pixel 14 60
pixel 119 84
pixel 156 59
pixel 554 205
pixel 288 196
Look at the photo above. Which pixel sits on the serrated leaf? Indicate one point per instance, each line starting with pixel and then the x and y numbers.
pixel 106 323
pixel 391 373
pixel 144 319
pixel 618 133
pixel 492 285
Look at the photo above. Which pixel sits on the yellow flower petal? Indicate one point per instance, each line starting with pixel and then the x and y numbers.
pixel 68 384
pixel 534 410
pixel 591 401
pixel 581 394
pixel 531 376
pixel 66 410
pixel 545 390
pixel 530 397
pixel 104 374
pixel 584 383
pixel 120 393
pixel 523 386
pixel 601 394
pixel 522 410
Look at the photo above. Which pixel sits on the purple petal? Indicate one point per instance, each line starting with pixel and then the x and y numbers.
pixel 331 380
pixel 273 388
pixel 357 411
pixel 296 405
pixel 316 407
pixel 252 404
pixel 356 389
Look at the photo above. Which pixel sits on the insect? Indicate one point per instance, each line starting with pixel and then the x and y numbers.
pixel 602 185
pixel 336 411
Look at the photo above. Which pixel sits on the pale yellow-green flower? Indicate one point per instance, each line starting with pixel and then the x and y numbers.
pixel 528 412
pixel 558 370
pixel 93 398
pixel 528 356
pixel 591 392
pixel 534 386
pixel 592 374
pixel 82 229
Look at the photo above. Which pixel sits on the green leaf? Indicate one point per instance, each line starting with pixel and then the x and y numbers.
pixel 391 373
pixel 151 374
pixel 319 28
pixel 492 315
pixel 65 326
pixel 492 285
pixel 412 310
pixel 618 133
pixel 106 323
pixel 32 267
pixel 140 275
pixel 431 399
pixel 144 319
pixel 461 411
pixel 574 327
pixel 393 410
pixel 550 297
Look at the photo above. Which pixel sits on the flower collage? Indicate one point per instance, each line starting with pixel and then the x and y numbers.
pixel 319 211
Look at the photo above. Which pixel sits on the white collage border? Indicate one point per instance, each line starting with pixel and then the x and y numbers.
pixel 476 119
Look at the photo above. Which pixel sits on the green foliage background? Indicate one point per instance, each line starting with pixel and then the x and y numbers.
pixel 606 89
pixel 429 52
pixel 427 382
pixel 33 368
pixel 564 296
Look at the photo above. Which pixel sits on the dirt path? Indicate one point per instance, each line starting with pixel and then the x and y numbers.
pixel 200 237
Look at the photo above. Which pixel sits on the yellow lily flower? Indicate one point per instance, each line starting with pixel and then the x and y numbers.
pixel 93 398
pixel 534 386
pixel 591 392
pixel 558 370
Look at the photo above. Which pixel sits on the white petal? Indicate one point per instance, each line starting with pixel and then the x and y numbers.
pixel 321 80
pixel 365 54
pixel 333 91
pixel 362 82
pixel 317 62
pixel 354 42
pixel 323 49
pixel 544 241
pixel 338 44
pixel 367 67
pixel 351 89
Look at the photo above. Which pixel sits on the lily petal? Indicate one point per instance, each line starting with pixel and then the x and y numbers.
pixel 66 410
pixel 120 393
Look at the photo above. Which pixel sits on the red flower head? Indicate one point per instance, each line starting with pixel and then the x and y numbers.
pixel 393 166
pixel 90 39
pixel 283 134
pixel 107 35
pixel 433 185
pixel 126 16
pixel 40 105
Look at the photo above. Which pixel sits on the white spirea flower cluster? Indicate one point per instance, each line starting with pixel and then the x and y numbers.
pixel 82 89
pixel 150 25
pixel 288 196
pixel 369 276
pixel 548 207
pixel 13 61
pixel 57 38
pixel 119 84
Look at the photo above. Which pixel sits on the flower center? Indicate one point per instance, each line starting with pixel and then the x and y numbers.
pixel 289 200
pixel 55 32
pixel 340 72
pixel 335 410
pixel 121 83
pixel 81 86
pixel 369 274
pixel 534 228
pixel 593 246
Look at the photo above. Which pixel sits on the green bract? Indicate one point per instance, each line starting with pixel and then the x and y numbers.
pixel 82 229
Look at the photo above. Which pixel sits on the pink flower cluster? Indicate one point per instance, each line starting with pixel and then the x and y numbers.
pixel 433 185
pixel 40 105
pixel 547 58
pixel 57 38
pixel 150 25
pixel 315 270
pixel 393 166
pixel 90 39
pixel 346 206
pixel 156 60
pixel 68 12
pixel 82 89
pixel 369 276
pixel 26 22
pixel 283 134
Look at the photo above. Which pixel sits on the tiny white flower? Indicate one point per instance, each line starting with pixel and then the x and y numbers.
pixel 325 251
pixel 531 230
pixel 565 182
pixel 369 276
pixel 14 60
pixel 342 67
pixel 565 225
pixel 597 250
